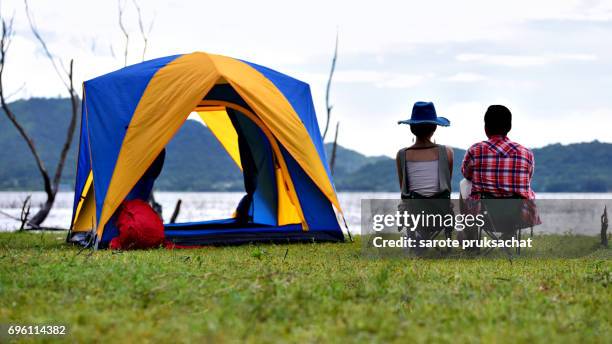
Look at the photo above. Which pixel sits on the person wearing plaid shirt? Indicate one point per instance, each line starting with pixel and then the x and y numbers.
pixel 499 167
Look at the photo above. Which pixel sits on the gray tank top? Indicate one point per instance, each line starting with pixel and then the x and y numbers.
pixel 425 177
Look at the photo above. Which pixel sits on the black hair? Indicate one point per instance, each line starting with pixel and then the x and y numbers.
pixel 498 120
pixel 423 131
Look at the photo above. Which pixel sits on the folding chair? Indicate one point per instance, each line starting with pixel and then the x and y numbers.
pixel 502 219
pixel 422 205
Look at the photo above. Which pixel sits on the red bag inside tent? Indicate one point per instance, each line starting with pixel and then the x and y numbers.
pixel 139 227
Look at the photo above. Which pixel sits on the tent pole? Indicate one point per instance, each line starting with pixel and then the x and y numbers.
pixel 348 231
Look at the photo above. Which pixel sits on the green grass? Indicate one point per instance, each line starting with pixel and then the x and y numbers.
pixel 300 293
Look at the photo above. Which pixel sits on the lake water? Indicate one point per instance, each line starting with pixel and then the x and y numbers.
pixel 198 206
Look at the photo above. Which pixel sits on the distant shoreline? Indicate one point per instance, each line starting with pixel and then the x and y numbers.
pixel 568 167
pixel 340 191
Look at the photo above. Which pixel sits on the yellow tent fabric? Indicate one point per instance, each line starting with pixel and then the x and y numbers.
pixel 289 209
pixel 218 122
pixel 85 217
pixel 175 90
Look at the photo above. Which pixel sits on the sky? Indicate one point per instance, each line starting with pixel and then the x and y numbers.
pixel 549 61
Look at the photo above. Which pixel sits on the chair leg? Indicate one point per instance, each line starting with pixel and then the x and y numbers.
pixel 492 236
pixel 448 234
pixel 433 236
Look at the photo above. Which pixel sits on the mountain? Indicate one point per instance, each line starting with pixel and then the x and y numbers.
pixel 195 160
pixel 46 120
pixel 578 167
pixel 582 167
pixel 378 173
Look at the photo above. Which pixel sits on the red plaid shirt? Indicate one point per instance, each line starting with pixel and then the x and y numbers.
pixel 499 167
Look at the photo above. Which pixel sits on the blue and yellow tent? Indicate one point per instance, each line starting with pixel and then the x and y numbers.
pixel 264 119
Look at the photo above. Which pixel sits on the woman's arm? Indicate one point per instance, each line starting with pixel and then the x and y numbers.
pixel 399 168
pixel 450 155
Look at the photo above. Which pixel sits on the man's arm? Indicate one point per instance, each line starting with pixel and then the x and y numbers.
pixel 531 171
pixel 532 167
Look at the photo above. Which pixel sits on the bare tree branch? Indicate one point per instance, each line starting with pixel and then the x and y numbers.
pixel 112 51
pixel 15 92
pixel 329 81
pixel 74 102
pixel 332 161
pixel 143 33
pixel 43 44
pixel 93 46
pixel 50 186
pixel 69 76
pixel 604 227
pixel 177 210
pixel 7 34
pixel 9 216
pixel 124 31
pixel 25 213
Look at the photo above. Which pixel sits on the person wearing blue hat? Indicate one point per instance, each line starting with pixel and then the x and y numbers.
pixel 425 168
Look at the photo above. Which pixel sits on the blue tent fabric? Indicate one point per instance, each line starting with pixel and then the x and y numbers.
pixel 109 103
pixel 264 202
pixel 83 162
pixel 319 213
pixel 299 96
pixel 111 116
pixel 215 234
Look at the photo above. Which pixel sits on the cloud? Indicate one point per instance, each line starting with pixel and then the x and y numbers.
pixel 575 125
pixel 466 77
pixel 484 51
pixel 576 57
pixel 522 60
pixel 586 11
pixel 379 79
pixel 401 81
pixel 504 60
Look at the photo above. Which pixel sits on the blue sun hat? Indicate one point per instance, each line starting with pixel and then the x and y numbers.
pixel 425 112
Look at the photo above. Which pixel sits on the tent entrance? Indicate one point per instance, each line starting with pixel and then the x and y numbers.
pixel 270 198
pixel 270 210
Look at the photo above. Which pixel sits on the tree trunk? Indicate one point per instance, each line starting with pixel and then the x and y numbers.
pixel 332 161
pixel 327 89
pixel 604 228
pixel 43 212
pixel 51 191
pixel 50 185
